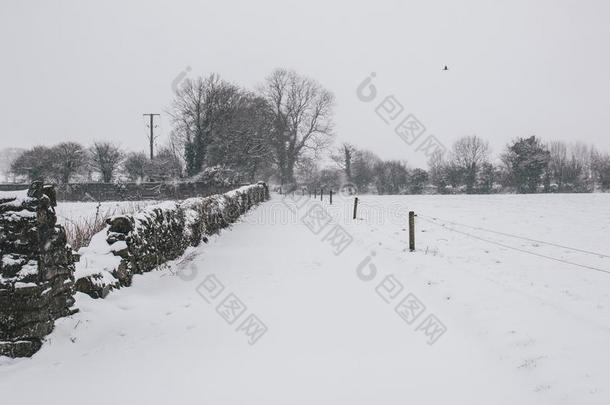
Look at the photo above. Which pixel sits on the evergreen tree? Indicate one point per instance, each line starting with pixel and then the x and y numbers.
pixel 527 159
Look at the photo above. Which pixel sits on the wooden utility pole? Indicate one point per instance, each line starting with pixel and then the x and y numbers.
pixel 151 137
pixel 412 231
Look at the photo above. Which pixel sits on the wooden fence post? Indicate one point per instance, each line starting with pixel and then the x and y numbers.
pixel 411 231
pixel 331 196
pixel 355 206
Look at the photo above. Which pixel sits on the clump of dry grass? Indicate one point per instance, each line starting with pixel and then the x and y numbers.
pixel 80 232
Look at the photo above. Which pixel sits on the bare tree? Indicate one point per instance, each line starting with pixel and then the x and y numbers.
pixel 468 154
pixel 35 164
pixel 558 163
pixel 201 112
pixel 570 167
pixel 241 142
pixel 301 118
pixel 68 159
pixel 363 169
pixel 308 172
pixel 391 177
pixel 600 166
pixel 343 157
pixel 581 167
pixel 165 166
pixel 7 157
pixel 135 166
pixel 105 158
pixel 436 170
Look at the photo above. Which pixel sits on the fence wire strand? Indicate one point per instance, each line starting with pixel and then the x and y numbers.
pixel 523 238
pixel 513 247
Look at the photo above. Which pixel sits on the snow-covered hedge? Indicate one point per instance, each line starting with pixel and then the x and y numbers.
pixel 134 244
pixel 36 269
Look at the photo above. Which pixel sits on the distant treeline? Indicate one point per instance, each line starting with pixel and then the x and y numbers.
pixel 69 162
pixel 281 132
pixel 258 134
pixel 527 165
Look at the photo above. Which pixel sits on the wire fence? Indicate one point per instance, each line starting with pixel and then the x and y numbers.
pixel 451 227
pixel 433 221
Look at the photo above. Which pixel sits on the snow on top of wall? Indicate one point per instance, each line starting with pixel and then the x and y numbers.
pixel 242 189
pixel 12 260
pixel 97 258
pixel 191 213
pixel 24 285
pixel 14 199
pixel 29 269
pixel 13 216
pixel 118 246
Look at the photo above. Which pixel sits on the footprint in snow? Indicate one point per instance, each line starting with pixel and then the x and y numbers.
pixel 531 363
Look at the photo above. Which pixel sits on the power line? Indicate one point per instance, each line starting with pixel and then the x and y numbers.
pixel 518 249
pixel 524 238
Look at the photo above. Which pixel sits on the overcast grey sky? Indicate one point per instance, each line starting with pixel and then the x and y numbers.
pixel 84 70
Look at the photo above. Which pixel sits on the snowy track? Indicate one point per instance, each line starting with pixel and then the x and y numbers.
pixel 520 328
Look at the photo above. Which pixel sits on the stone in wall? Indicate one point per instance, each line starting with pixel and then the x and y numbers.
pixel 36 270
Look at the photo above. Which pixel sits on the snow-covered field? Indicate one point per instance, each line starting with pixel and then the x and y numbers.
pixel 516 321
pixel 77 212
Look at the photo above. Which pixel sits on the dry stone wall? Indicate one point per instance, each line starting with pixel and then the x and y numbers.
pixel 36 269
pixel 133 191
pixel 134 244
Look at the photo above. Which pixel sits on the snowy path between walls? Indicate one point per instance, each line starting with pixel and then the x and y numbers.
pixel 519 328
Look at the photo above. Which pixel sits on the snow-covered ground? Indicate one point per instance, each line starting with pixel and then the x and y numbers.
pixel 515 321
